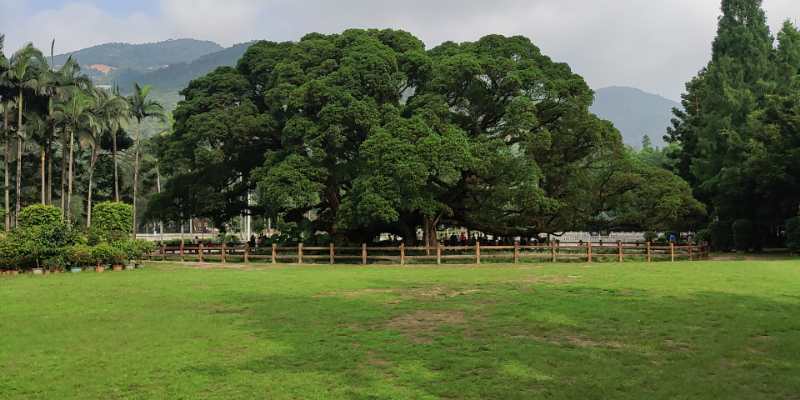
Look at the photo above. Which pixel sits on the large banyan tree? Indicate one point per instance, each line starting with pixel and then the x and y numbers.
pixel 366 131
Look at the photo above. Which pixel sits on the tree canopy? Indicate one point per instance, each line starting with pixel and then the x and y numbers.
pixel 737 134
pixel 366 131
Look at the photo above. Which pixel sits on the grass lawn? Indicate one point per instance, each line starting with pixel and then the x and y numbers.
pixel 703 330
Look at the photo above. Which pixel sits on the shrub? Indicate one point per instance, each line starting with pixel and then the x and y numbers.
pixel 102 254
pixel 721 235
pixel 11 254
pixel 743 237
pixel 39 215
pixel 137 249
pixel 793 234
pixel 650 236
pixel 79 256
pixel 111 222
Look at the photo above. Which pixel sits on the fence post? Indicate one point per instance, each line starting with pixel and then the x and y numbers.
pixel 222 252
pixel 300 253
pixel 247 253
pixel 589 251
pixel 274 253
pixel 163 253
pixel 363 253
pixel 200 252
pixel 333 254
pixel 552 251
pixel 477 252
pixel 516 252
pixel 438 253
pixel 672 251
pixel 402 254
pixel 619 249
pixel 690 252
pixel 182 258
pixel 649 252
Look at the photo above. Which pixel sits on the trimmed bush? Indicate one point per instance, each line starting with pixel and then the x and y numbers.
pixel 743 234
pixel 793 234
pixel 650 236
pixel 39 215
pixel 111 222
pixel 11 254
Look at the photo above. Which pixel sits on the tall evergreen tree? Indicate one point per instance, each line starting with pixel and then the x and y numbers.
pixel 713 127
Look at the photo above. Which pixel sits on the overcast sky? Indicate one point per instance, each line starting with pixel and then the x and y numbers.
pixel 655 45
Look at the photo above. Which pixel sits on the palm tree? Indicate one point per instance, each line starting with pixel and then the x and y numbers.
pixel 68 79
pixel 6 105
pixel 110 112
pixel 113 111
pixel 23 74
pixel 141 108
pixel 75 115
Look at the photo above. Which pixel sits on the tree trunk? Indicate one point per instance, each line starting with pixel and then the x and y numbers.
pixel 429 233
pixel 7 180
pixel 44 180
pixel 114 157
pixel 49 156
pixel 64 173
pixel 92 163
pixel 158 190
pixel 19 158
pixel 70 172
pixel 136 174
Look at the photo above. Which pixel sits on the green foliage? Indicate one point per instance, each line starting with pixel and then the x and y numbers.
pixel 737 132
pixel 80 255
pixel 793 234
pixel 721 235
pixel 135 249
pixel 12 255
pixel 104 254
pixel 744 234
pixel 39 215
pixel 111 222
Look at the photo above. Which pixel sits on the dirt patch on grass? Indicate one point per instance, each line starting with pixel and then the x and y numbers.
pixel 423 293
pixel 575 341
pixel 552 280
pixel 420 325
pixel 354 294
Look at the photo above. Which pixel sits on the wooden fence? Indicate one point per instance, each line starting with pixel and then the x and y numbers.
pixel 331 254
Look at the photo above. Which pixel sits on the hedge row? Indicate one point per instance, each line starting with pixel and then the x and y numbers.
pixel 43 240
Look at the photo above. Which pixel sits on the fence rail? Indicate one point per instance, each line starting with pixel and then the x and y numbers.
pixel 439 254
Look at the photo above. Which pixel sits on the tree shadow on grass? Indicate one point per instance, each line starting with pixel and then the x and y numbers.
pixel 553 341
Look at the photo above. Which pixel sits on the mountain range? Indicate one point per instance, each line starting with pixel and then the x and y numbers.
pixel 170 65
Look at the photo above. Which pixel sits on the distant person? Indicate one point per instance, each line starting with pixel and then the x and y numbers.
pixel 463 239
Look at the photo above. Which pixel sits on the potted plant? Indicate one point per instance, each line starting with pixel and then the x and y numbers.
pixel 54 264
pixel 118 257
pixel 79 256
pixel 101 256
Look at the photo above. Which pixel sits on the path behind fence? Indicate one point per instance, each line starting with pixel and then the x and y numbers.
pixel 331 254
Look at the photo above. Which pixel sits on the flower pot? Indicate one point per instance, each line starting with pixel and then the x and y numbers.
pixel 117 267
pixel 99 269
pixel 38 271
pixel 75 270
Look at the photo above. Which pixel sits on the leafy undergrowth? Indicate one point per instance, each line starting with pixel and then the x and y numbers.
pixel 658 331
